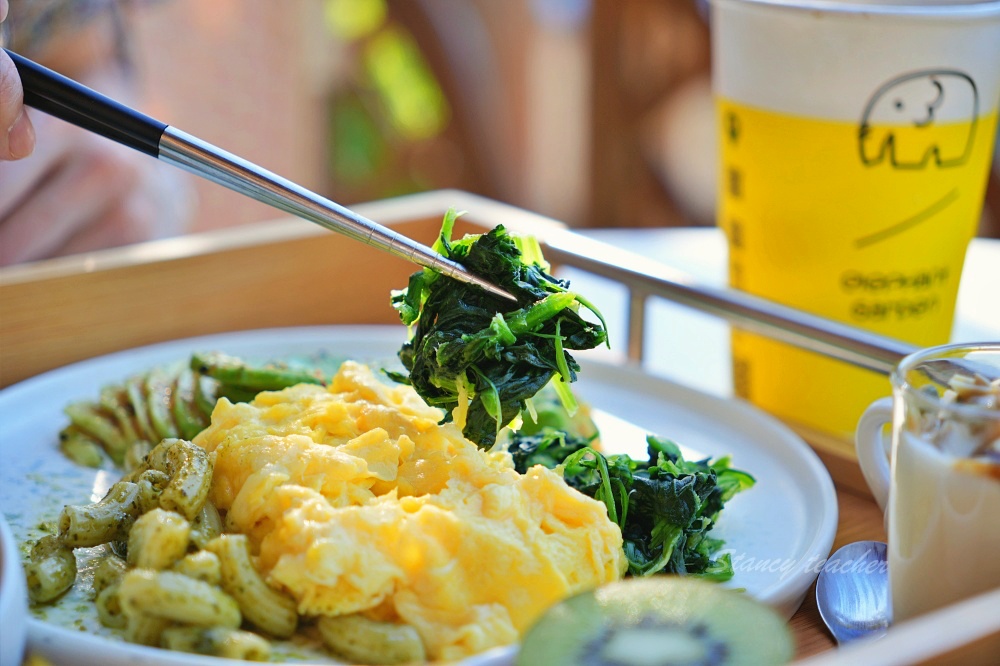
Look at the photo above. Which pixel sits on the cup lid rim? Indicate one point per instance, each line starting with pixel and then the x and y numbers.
pixel 909 8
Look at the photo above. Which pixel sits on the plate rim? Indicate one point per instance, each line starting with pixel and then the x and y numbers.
pixel 786 598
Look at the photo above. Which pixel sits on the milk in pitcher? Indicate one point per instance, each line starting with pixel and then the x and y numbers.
pixel 944 513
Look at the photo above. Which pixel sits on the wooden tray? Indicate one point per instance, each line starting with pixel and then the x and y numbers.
pixel 290 273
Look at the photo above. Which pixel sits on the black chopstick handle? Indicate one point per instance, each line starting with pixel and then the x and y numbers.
pixel 78 105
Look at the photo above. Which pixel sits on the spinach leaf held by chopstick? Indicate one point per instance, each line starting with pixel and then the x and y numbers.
pixel 480 357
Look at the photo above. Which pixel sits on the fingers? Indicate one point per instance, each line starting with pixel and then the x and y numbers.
pixel 116 226
pixel 94 196
pixel 55 144
pixel 17 136
pixel 158 207
pixel 74 195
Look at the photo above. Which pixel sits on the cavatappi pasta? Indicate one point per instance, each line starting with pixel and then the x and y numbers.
pixel 166 591
pixel 50 569
pixel 262 606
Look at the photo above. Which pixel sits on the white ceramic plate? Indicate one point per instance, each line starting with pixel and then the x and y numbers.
pixel 13 598
pixel 779 532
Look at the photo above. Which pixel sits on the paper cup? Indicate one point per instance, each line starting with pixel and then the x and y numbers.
pixel 856 142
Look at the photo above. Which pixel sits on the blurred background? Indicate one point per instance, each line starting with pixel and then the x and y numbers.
pixel 594 112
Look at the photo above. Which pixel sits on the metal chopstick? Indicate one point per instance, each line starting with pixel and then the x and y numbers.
pixel 645 277
pixel 68 100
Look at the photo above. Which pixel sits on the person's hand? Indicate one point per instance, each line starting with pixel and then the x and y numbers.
pixel 17 136
pixel 79 192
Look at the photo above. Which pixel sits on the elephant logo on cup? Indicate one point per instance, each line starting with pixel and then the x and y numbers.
pixel 901 122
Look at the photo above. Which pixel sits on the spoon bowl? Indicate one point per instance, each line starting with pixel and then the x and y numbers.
pixel 852 592
pixel 943 370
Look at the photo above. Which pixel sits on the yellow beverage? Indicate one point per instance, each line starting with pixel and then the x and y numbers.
pixel 862 222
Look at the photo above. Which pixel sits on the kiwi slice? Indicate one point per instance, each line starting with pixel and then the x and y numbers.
pixel 661 621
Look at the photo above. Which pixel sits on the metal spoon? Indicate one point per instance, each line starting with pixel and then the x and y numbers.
pixel 942 371
pixel 852 592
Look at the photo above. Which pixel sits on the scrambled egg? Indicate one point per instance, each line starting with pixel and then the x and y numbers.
pixel 357 500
